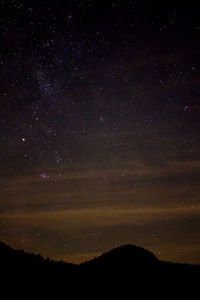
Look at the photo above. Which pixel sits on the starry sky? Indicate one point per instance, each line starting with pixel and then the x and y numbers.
pixel 100 127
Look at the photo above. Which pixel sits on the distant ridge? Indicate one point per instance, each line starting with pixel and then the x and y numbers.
pixel 126 272
pixel 125 256
pixel 132 252
pixel 129 252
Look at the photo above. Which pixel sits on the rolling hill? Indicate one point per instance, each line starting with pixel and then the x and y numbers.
pixel 126 272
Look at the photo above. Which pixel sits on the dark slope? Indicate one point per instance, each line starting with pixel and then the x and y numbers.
pixel 127 272
pixel 122 272
pixel 29 276
pixel 131 272
pixel 125 255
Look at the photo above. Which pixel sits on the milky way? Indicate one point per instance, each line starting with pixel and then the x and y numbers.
pixel 99 128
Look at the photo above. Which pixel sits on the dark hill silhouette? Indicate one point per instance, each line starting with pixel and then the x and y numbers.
pixel 126 272
pixel 131 255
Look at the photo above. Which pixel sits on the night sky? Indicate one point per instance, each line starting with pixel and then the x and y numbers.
pixel 100 127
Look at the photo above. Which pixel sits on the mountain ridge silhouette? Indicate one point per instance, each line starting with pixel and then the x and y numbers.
pixel 125 272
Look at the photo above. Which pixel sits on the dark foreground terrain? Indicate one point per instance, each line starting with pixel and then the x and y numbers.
pixel 127 272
